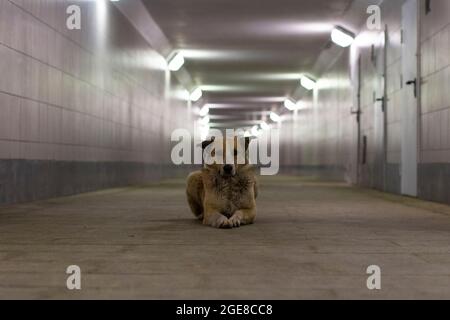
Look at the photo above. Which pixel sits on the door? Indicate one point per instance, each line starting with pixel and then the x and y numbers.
pixel 372 126
pixel 410 94
pixel 357 112
pixel 379 109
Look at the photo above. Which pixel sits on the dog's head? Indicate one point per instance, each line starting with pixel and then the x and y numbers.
pixel 226 156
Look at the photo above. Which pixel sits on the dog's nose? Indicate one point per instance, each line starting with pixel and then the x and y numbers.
pixel 227 168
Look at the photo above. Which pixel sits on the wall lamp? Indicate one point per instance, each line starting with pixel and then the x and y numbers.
pixel 275 117
pixel 196 95
pixel 290 105
pixel 255 131
pixel 204 111
pixel 342 37
pixel 176 62
pixel 205 120
pixel 307 82
pixel 264 126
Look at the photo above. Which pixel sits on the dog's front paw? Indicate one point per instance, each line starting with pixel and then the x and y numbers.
pixel 235 221
pixel 220 221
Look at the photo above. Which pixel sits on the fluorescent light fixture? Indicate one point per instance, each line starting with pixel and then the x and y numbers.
pixel 176 62
pixel 204 120
pixel 290 105
pixel 255 131
pixel 264 126
pixel 204 132
pixel 342 37
pixel 300 105
pixel 204 111
pixel 275 117
pixel 196 95
pixel 307 83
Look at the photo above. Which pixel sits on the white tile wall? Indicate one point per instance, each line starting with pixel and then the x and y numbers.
pixel 326 134
pixel 435 106
pixel 321 135
pixel 392 18
pixel 61 99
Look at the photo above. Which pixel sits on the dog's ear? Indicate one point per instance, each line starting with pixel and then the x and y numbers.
pixel 206 143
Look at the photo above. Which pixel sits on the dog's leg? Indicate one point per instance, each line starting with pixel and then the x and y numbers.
pixel 242 217
pixel 216 220
pixel 194 193
pixel 195 206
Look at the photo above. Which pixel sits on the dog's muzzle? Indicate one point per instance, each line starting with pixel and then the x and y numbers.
pixel 228 170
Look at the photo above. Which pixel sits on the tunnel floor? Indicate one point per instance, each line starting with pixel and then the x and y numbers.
pixel 312 240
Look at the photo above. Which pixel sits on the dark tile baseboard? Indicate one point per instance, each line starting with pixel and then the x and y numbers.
pixel 29 180
pixel 434 182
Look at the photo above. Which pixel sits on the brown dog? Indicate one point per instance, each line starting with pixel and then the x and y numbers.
pixel 223 195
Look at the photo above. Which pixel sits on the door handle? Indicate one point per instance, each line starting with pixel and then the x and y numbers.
pixel 357 113
pixel 382 102
pixel 413 82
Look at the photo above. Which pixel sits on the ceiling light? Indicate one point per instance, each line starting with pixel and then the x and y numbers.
pixel 300 105
pixel 204 111
pixel 307 83
pixel 255 131
pixel 196 95
pixel 204 132
pixel 342 37
pixel 264 126
pixel 204 120
pixel 275 117
pixel 290 105
pixel 176 62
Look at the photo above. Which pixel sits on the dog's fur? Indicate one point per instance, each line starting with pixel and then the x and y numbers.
pixel 221 199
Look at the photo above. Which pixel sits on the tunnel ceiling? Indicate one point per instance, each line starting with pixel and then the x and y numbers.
pixel 238 50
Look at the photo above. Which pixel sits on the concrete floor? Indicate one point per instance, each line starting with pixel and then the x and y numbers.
pixel 312 240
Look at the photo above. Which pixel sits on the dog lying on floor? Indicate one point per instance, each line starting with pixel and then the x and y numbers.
pixel 224 195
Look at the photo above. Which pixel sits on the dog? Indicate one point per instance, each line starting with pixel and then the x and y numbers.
pixel 224 195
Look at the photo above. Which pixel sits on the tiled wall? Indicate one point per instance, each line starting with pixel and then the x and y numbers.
pixel 434 169
pixel 317 139
pixel 324 136
pixel 80 109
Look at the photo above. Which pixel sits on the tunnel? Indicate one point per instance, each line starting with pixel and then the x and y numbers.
pixel 115 117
